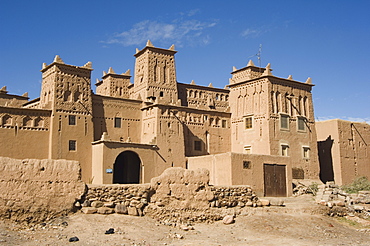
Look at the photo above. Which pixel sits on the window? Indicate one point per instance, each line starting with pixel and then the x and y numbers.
pixel 284 121
pixel 247 149
pixel 72 145
pixel 306 152
pixel 284 150
pixel 223 123
pixel 301 124
pixel 72 120
pixel 246 165
pixel 161 94
pixel 248 122
pixel 117 122
pixel 197 145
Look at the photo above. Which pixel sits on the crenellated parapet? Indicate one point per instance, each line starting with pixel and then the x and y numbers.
pixel 24 119
pixel 66 87
pixel 114 85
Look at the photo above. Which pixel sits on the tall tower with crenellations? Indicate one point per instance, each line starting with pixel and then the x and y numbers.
pixel 66 91
pixel 155 75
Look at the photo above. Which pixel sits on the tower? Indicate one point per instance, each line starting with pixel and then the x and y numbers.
pixel 66 92
pixel 273 116
pixel 155 75
pixel 114 85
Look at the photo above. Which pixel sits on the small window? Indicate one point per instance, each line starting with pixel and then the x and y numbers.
pixel 72 145
pixel 246 165
pixel 161 94
pixel 117 122
pixel 197 145
pixel 284 150
pixel 284 121
pixel 224 125
pixel 72 120
pixel 248 122
pixel 301 124
pixel 247 149
pixel 306 152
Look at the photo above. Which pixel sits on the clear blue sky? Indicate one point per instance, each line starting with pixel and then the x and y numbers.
pixel 325 40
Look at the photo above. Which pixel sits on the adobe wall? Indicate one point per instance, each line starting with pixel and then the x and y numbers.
pixel 24 133
pixel 175 191
pixel 349 149
pixel 34 190
pixel 106 109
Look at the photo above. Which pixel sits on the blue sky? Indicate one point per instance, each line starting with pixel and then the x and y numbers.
pixel 325 40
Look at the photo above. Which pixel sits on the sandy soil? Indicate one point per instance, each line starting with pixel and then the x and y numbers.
pixel 300 222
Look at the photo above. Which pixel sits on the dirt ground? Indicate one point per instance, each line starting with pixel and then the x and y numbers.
pixel 300 222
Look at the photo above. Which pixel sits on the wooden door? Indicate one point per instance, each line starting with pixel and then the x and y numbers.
pixel 275 180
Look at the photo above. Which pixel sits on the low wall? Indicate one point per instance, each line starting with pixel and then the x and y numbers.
pixel 175 189
pixel 34 190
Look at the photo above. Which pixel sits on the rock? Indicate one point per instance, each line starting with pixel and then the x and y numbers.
pixel 159 204
pixel 74 239
pixel 105 210
pixel 110 231
pixel 184 227
pixel 89 210
pixel 132 211
pixel 278 202
pixel 86 203
pixel 109 204
pixel 121 209
pixel 228 219
pixel 77 204
pixel 265 202
pixel 97 204
pixel 249 204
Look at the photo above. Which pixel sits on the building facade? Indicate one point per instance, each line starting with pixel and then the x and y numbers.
pixel 344 151
pixel 257 128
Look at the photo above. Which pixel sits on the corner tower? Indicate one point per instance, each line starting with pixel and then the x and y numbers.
pixel 67 93
pixel 155 75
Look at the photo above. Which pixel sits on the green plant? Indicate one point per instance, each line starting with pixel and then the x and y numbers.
pixel 313 188
pixel 360 183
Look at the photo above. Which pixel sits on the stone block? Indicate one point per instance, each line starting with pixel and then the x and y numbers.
pixel 89 210
pixel 97 204
pixel 132 211
pixel 105 210
pixel 121 209
pixel 265 202
pixel 228 219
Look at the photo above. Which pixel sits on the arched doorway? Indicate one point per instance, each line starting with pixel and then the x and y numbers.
pixel 127 168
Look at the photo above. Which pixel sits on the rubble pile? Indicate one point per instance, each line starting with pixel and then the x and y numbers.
pixel 342 203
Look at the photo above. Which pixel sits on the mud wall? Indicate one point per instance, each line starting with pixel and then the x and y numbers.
pixel 34 190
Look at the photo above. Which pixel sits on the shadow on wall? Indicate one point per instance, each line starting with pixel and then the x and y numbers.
pixel 326 159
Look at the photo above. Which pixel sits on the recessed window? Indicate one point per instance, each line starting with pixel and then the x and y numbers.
pixel 72 120
pixel 72 145
pixel 223 123
pixel 246 165
pixel 197 145
pixel 161 94
pixel 117 122
pixel 285 150
pixel 248 122
pixel 301 124
pixel 247 149
pixel 306 152
pixel 284 121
